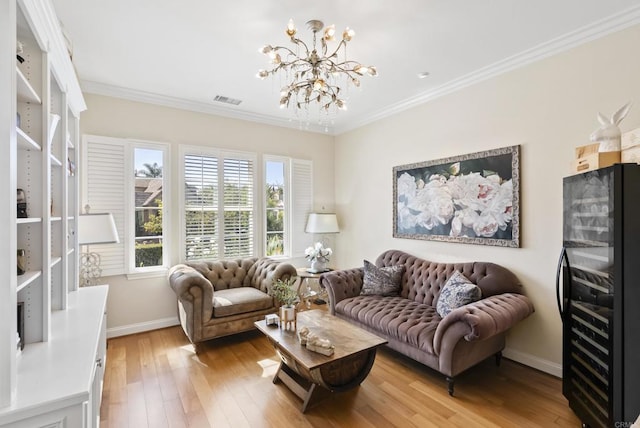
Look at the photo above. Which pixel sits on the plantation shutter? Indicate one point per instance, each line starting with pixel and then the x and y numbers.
pixel 238 207
pixel 219 201
pixel 104 172
pixel 201 207
pixel 301 204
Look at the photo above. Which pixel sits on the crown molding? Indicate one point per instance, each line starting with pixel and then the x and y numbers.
pixel 560 44
pixel 196 106
pixel 46 28
pixel 596 30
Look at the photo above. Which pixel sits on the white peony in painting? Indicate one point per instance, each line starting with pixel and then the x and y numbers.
pixel 469 198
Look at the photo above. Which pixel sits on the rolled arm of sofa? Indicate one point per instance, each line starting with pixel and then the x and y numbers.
pixel 269 271
pixel 342 284
pixel 192 289
pixel 483 319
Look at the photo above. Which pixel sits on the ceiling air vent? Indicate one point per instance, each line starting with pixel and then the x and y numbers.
pixel 227 100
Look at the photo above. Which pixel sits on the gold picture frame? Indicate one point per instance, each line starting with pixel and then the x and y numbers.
pixel 472 198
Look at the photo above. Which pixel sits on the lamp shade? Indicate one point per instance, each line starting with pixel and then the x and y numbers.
pixel 97 229
pixel 322 223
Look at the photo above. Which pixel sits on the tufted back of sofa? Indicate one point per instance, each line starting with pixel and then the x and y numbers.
pixel 224 274
pixel 265 269
pixel 423 280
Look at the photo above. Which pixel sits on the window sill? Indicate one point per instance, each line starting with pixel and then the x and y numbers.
pixel 279 257
pixel 155 273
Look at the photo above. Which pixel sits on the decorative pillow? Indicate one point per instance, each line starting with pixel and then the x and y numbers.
pixel 385 281
pixel 457 291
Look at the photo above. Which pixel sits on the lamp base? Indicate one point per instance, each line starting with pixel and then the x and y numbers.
pixel 90 270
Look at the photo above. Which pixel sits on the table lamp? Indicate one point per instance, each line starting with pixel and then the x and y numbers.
pixel 322 223
pixel 94 229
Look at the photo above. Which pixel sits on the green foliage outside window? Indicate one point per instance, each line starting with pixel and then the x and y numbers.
pixel 275 245
pixel 275 220
pixel 149 254
pixel 150 170
pixel 154 224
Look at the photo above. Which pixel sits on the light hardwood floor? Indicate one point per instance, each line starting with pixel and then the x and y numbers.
pixel 155 380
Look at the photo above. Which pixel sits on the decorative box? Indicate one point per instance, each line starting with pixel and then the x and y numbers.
pixel 631 146
pixel 589 158
pixel 272 319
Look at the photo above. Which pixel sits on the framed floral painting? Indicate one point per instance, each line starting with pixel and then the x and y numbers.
pixel 472 198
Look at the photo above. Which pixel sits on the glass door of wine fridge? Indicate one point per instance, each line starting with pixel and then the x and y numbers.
pixel 588 274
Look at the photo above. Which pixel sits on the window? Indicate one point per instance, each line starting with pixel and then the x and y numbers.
pixel 288 196
pixel 129 179
pixel 219 204
pixel 276 207
pixel 225 208
pixel 148 188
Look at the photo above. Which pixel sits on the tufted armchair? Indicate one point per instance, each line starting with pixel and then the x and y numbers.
pixel 225 297
pixel 410 322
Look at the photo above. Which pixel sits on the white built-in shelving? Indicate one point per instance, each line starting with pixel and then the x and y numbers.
pixel 24 90
pixel 25 142
pixel 40 123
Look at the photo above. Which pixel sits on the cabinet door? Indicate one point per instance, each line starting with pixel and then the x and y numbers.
pixel 69 417
pixel 98 376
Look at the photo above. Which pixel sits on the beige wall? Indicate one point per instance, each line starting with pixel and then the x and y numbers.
pixel 548 107
pixel 146 303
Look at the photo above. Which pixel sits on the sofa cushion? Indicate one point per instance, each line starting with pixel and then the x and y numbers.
pixel 402 319
pixel 384 281
pixel 240 300
pixel 457 291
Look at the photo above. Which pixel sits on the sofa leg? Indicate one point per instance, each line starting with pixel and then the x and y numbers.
pixel 450 385
pixel 498 358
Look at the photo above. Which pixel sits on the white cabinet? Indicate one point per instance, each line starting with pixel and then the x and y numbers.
pixel 60 381
pixel 40 105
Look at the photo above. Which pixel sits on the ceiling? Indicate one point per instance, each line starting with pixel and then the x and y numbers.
pixel 183 54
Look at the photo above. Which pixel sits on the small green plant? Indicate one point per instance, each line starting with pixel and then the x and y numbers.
pixel 284 291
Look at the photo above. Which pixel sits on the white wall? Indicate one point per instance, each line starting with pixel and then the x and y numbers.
pixel 141 304
pixel 548 108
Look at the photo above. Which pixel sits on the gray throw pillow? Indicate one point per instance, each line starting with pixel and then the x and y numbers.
pixel 385 281
pixel 457 291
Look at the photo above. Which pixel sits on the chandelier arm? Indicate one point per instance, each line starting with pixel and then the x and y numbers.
pixel 300 42
pixel 343 63
pixel 277 48
pixel 324 47
pixel 343 68
pixel 297 62
pixel 335 52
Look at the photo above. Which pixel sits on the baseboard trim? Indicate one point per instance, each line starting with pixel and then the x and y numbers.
pixel 543 365
pixel 142 327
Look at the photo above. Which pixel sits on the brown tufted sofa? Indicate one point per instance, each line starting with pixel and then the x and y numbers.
pixel 225 297
pixel 410 323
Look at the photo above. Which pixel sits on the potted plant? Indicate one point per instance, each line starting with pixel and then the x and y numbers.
pixel 284 291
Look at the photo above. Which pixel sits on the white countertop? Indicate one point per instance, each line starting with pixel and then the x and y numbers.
pixel 58 373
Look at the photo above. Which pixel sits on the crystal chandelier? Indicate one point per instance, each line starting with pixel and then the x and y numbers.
pixel 313 76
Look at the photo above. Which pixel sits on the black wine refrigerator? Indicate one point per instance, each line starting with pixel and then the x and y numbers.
pixel 598 293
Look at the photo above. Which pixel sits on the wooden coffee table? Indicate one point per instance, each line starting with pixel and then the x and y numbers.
pixel 307 374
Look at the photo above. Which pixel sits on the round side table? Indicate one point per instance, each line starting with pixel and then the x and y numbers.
pixel 306 293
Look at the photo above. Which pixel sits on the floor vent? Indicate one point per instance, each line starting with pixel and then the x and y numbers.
pixel 227 100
